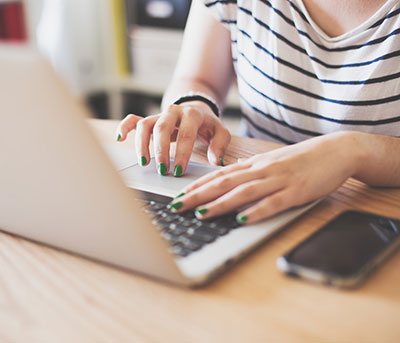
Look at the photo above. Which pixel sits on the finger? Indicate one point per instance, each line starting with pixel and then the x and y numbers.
pixel 271 205
pixel 241 195
pixel 187 134
pixel 163 129
pixel 127 125
pixel 213 175
pixel 174 135
pixel 218 145
pixel 213 189
pixel 144 129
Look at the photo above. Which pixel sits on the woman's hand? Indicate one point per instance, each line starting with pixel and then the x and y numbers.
pixel 274 181
pixel 181 123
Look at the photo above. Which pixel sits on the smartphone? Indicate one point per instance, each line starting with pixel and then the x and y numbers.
pixel 345 250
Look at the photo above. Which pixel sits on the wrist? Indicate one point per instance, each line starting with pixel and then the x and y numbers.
pixel 354 150
pixel 199 97
pixel 199 106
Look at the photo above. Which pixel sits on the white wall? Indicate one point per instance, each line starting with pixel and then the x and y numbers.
pixel 73 34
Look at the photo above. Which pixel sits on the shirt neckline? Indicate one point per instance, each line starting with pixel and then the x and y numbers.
pixel 360 28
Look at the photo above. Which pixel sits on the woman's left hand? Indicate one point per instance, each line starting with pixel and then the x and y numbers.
pixel 274 181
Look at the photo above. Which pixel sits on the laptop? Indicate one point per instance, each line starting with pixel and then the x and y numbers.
pixel 58 187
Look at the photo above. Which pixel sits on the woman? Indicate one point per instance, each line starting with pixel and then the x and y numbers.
pixel 320 76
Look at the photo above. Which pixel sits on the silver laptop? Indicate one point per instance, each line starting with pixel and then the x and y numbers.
pixel 58 187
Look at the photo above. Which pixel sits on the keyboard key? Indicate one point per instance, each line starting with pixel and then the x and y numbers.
pixel 156 206
pixel 176 229
pixel 180 250
pixel 165 221
pixel 190 244
pixel 186 223
pixel 201 235
pixel 170 237
pixel 222 230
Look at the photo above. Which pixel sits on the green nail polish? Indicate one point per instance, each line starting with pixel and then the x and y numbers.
pixel 221 161
pixel 143 161
pixel 201 210
pixel 178 170
pixel 162 169
pixel 174 206
pixel 118 137
pixel 179 195
pixel 241 219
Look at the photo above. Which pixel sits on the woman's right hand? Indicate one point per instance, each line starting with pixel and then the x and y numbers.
pixel 182 123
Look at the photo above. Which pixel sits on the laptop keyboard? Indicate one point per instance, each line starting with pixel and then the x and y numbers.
pixel 184 232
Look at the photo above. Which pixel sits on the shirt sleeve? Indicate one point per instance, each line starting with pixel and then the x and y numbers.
pixel 224 11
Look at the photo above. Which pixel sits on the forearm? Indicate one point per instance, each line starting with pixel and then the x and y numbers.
pixel 377 158
pixel 205 59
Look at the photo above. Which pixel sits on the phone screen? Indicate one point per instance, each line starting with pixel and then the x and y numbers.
pixel 346 244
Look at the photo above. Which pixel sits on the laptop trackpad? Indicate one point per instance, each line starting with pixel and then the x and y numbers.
pixel 148 179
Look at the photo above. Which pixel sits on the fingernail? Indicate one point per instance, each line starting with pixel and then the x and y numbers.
pixel 201 211
pixel 241 218
pixel 143 161
pixel 175 206
pixel 118 137
pixel 178 170
pixel 162 168
pixel 179 195
pixel 221 161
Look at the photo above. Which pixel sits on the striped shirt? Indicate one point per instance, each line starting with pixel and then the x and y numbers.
pixel 296 82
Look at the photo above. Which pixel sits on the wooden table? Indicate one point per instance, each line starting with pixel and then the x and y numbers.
pixel 51 296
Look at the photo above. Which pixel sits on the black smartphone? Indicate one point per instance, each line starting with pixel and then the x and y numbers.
pixel 345 250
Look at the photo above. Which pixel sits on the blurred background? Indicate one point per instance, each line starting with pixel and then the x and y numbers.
pixel 119 55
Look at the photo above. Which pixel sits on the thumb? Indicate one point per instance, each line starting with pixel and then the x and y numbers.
pixel 217 146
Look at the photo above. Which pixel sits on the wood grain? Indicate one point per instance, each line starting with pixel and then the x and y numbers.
pixel 51 296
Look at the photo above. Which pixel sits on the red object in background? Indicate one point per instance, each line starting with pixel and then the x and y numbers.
pixel 12 22
pixel 2 25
